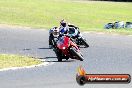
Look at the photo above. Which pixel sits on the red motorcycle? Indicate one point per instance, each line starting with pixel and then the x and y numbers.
pixel 66 48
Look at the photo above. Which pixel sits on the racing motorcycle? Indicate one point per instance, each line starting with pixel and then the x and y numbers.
pixel 66 48
pixel 77 37
pixel 53 36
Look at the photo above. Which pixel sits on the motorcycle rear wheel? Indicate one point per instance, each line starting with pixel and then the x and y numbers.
pixel 77 54
pixel 84 42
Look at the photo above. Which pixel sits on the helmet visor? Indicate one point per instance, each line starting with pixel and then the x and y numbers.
pixel 63 24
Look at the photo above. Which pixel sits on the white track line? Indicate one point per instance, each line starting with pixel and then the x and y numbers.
pixel 32 66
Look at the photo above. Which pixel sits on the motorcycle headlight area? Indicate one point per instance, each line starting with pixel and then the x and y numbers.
pixel 63 47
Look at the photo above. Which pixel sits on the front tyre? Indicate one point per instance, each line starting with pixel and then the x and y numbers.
pixel 51 41
pixel 58 54
pixel 59 59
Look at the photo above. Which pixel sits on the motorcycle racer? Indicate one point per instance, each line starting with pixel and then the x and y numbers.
pixel 53 35
pixel 63 27
pixel 73 32
pixel 67 28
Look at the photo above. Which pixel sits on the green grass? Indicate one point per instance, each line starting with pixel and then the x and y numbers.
pixel 8 61
pixel 88 15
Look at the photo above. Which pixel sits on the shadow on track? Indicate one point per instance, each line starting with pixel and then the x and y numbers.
pixel 47 59
pixel 26 49
pixel 61 61
pixel 44 48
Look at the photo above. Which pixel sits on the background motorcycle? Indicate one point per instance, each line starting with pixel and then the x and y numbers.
pixel 53 37
pixel 77 37
pixel 66 49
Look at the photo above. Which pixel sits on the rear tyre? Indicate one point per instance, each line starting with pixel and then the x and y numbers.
pixel 84 42
pixel 77 54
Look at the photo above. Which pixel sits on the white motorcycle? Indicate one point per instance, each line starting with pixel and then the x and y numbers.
pixel 53 36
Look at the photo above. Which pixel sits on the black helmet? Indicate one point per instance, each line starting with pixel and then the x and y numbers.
pixel 63 23
pixel 71 30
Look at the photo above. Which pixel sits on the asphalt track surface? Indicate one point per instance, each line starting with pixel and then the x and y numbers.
pixel 106 54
